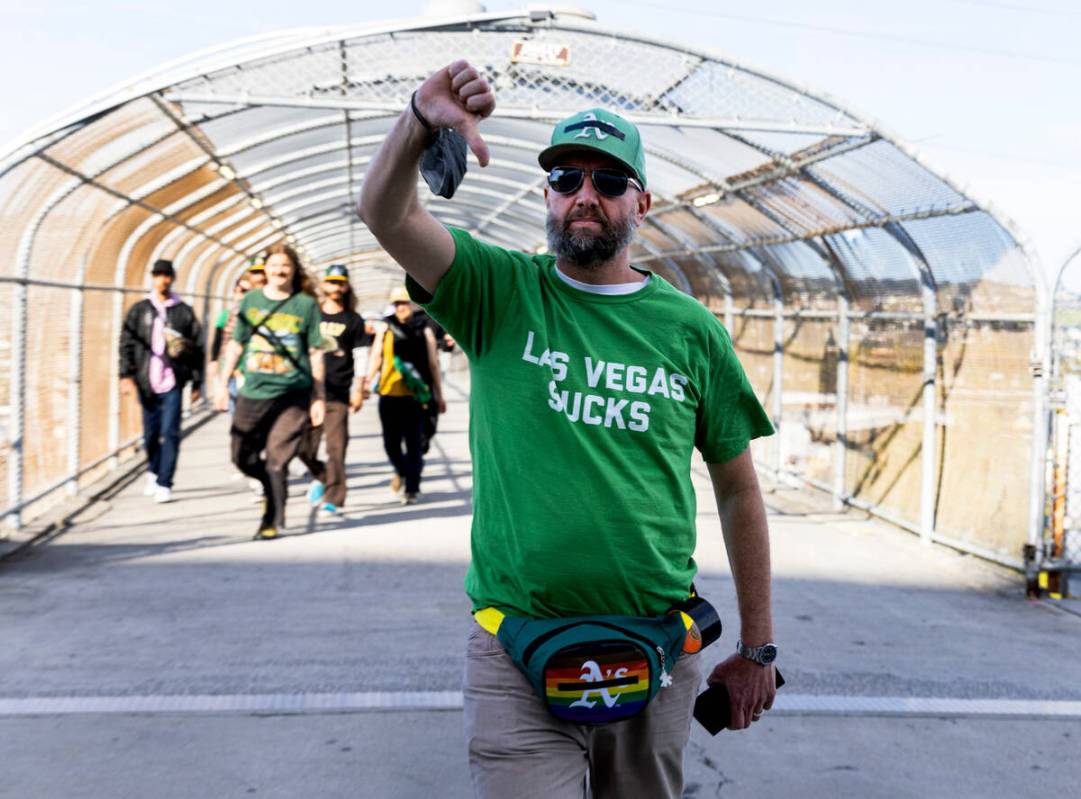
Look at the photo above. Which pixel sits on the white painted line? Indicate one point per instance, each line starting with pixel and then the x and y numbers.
pixel 389 701
pixel 231 703
pixel 946 707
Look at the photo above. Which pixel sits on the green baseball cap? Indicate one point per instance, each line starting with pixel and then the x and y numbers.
pixel 337 272
pixel 600 131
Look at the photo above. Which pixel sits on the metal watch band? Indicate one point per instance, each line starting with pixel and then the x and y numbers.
pixel 762 655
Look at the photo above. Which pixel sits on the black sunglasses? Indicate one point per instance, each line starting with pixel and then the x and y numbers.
pixel 609 182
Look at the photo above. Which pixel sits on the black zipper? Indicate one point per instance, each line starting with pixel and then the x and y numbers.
pixel 540 639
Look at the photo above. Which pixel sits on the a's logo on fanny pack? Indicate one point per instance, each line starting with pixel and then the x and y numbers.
pixel 591 673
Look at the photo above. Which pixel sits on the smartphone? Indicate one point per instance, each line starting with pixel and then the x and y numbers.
pixel 713 708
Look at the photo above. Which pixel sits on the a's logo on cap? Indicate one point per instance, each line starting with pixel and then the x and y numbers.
pixel 591 126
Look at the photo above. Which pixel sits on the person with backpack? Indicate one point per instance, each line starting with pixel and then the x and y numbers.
pixel 343 331
pixel 410 390
pixel 277 332
pixel 161 351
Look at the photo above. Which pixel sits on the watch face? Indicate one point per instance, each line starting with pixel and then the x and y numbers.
pixel 767 654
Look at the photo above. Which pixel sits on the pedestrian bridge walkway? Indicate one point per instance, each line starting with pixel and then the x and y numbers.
pixel 155 650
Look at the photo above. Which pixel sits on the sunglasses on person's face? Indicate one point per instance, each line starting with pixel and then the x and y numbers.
pixel 609 182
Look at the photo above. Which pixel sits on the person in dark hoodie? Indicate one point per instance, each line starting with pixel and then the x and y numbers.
pixel 160 352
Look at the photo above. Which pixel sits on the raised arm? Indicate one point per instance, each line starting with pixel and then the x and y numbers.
pixel 454 97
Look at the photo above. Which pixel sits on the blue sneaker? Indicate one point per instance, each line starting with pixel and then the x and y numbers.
pixel 329 511
pixel 315 493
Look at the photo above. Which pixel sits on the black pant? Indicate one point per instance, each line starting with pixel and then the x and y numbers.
pixel 277 425
pixel 161 433
pixel 403 419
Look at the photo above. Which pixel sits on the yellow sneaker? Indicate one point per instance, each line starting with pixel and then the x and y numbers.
pixel 266 533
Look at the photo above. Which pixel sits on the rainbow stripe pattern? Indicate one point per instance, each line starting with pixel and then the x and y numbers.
pixel 597 682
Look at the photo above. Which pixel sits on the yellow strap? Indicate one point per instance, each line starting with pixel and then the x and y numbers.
pixel 489 619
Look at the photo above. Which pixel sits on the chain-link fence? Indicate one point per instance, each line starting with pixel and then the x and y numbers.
pixel 887 320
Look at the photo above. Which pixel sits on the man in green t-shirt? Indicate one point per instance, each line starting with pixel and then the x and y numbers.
pixel 592 382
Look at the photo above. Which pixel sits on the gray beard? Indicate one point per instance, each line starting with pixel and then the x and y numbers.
pixel 588 252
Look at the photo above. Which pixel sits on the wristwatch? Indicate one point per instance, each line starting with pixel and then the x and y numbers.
pixel 762 655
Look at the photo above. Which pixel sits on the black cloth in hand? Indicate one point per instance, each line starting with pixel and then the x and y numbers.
pixel 443 164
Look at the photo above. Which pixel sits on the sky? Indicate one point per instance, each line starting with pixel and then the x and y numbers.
pixel 986 90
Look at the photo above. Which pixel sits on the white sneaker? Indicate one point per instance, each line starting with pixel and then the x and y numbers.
pixel 163 494
pixel 151 486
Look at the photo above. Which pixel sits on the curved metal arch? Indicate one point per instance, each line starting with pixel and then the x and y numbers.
pixel 214 253
pixel 446 219
pixel 677 235
pixel 531 146
pixel 179 233
pixel 466 188
pixel 443 209
pixel 299 174
pixel 320 222
pixel 287 43
pixel 1056 286
pixel 331 120
pixel 375 246
pixel 344 194
pixel 292 44
pixel 670 263
pixel 258 234
pixel 323 149
pixel 225 222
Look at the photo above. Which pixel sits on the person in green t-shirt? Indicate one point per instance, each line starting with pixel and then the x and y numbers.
pixel 593 381
pixel 277 332
pixel 223 332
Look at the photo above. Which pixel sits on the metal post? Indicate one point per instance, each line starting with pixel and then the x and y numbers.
pixel 19 321
pixel 18 403
pixel 930 391
pixel 840 446
pixel 778 374
pixel 114 380
pixel 75 389
pixel 1040 432
pixel 928 290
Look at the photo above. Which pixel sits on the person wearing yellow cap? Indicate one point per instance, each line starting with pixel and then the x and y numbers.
pixel 593 381
pixel 257 273
pixel 410 387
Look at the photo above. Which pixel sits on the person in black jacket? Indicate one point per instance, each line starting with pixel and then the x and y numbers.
pixel 160 351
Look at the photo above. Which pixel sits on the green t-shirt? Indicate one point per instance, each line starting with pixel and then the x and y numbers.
pixel 583 414
pixel 294 325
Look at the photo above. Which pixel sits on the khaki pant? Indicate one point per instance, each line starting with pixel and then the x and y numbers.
pixel 518 750
pixel 332 473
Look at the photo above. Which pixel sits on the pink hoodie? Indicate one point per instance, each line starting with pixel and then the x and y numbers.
pixel 162 377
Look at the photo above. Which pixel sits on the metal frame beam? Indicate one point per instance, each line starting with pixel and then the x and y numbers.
pixel 549 115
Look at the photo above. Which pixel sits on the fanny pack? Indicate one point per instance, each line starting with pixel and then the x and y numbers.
pixel 602 669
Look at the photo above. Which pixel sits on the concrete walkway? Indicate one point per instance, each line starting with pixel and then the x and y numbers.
pixel 155 651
